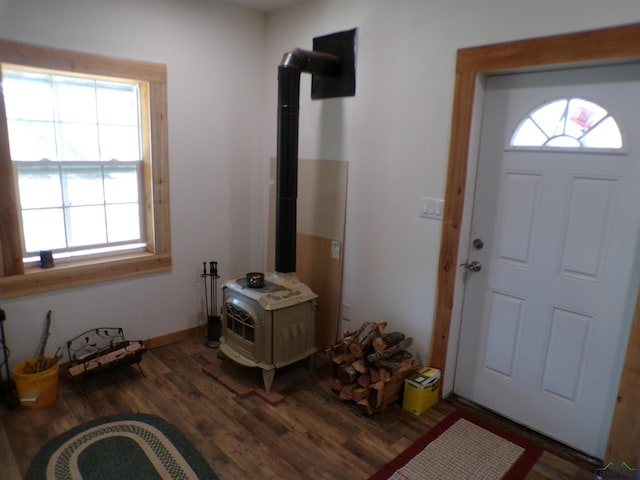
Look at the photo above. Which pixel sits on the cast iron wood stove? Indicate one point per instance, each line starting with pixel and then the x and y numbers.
pixel 268 327
pixel 273 325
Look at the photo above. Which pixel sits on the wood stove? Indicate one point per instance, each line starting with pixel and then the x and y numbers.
pixel 268 327
pixel 274 325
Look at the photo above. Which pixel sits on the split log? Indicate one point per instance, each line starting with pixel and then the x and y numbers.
pixel 348 336
pixel 349 357
pixel 394 360
pixel 347 374
pixel 376 394
pixel 407 366
pixel 364 380
pixel 346 393
pixel 338 359
pixel 359 393
pixel 129 350
pixel 375 357
pixel 362 341
pixel 382 325
pixel 335 384
pixel 386 340
pixel 360 365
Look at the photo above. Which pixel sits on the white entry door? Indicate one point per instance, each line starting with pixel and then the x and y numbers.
pixel 556 216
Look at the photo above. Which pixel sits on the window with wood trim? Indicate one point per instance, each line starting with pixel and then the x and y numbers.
pixel 83 168
pixel 568 123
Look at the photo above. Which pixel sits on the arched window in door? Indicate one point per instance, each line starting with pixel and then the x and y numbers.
pixel 572 123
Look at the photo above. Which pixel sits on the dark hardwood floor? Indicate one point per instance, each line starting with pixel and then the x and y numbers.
pixel 309 435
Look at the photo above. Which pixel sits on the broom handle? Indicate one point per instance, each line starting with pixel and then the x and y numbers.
pixel 43 346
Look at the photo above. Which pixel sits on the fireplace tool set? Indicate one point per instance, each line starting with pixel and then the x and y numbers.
pixel 211 304
pixel 7 386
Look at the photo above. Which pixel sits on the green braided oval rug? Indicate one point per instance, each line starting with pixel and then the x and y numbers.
pixel 118 447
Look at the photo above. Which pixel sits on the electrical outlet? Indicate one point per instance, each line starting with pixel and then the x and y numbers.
pixel 346 311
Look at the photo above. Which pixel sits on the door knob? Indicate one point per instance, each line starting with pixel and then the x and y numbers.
pixel 473 266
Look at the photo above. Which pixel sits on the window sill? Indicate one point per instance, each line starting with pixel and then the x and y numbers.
pixel 84 272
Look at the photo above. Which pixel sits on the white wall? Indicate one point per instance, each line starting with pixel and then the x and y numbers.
pixel 222 123
pixel 395 132
pixel 214 55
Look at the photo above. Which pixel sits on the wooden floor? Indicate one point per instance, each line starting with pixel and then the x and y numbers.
pixel 310 435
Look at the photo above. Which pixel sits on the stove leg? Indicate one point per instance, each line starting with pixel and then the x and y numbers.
pixel 267 378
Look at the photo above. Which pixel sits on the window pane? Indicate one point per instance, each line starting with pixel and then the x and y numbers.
pixel 604 135
pixel 563 141
pixel 75 100
pixel 82 185
pixel 27 96
pixel 43 229
pixel 85 226
pixel 120 184
pixel 117 104
pixel 32 141
pixel 582 116
pixel 39 187
pixel 78 142
pixel 123 222
pixel 572 123
pixel 528 135
pixel 550 118
pixel 119 143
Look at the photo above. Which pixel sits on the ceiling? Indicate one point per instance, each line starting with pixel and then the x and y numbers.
pixel 264 5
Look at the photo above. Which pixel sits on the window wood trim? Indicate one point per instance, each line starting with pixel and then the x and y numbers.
pixel 607 45
pixel 15 279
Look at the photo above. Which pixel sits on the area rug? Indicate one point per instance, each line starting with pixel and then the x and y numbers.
pixel 119 447
pixel 462 447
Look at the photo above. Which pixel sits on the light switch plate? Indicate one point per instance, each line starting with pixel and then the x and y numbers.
pixel 335 250
pixel 431 208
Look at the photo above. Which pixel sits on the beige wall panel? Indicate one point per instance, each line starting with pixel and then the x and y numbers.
pixel 322 197
pixel 322 273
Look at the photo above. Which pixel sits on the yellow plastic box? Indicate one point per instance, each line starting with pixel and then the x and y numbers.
pixel 421 390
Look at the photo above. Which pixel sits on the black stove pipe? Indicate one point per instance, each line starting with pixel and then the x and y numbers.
pixel 293 64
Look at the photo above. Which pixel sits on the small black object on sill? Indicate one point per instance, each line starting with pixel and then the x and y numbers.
pixel 46 259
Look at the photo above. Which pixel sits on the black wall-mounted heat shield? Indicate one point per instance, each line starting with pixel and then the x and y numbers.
pixel 343 46
pixel 323 64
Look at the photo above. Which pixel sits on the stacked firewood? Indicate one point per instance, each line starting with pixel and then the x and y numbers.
pixel 369 366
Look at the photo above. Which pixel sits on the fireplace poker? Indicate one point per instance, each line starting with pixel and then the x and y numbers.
pixel 206 297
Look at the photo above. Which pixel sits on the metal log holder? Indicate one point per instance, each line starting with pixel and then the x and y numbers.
pixel 101 349
pixel 211 304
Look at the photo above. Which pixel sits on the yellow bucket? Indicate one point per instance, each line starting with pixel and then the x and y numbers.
pixel 36 389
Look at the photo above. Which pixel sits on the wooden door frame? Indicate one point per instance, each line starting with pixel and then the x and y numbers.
pixel 602 46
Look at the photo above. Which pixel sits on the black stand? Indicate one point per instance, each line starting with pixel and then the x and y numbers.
pixel 7 386
pixel 211 305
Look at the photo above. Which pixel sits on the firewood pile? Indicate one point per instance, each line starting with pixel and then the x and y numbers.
pixel 369 366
